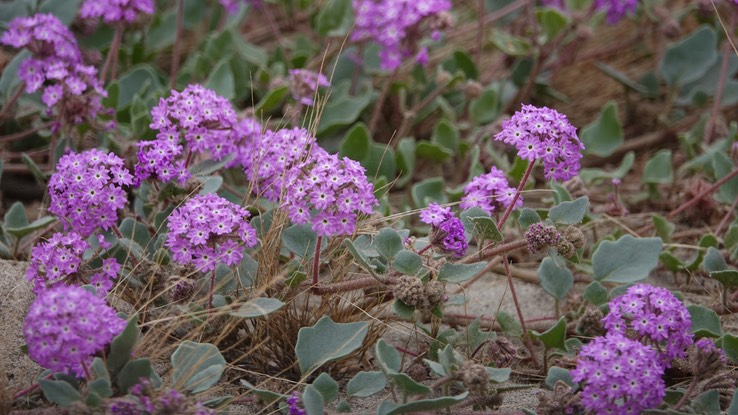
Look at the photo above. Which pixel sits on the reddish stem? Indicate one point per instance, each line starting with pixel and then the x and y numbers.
pixel 702 194
pixel 25 133
pixel 112 58
pixel 726 218
pixel 526 337
pixel 519 190
pixel 12 100
pixel 316 259
pixel 212 289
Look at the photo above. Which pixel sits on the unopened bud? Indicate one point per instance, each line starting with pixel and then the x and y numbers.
pixel 575 236
pixel 473 89
pixel 565 248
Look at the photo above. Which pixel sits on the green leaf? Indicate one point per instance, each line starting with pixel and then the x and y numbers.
pixel 408 385
pixel 595 293
pixel 357 142
pixel 555 337
pixel 380 163
pixel 484 228
pixel 15 217
pixel 664 228
pixel 511 45
pixel 33 226
pixel 266 396
pixel 486 108
pixel 427 191
pixel 626 260
pixel 552 21
pixel 603 136
pixel 446 135
pixel 509 324
pixel 403 310
pixel 590 175
pixel 554 280
pixel 499 375
pixel 141 81
pixel 342 111
pixel 723 165
pixel 408 262
pixel 687 60
pixel 271 100
pixel 658 169
pixel 405 160
pixel 388 243
pixel 728 278
pixel 393 408
pixel 569 213
pixel 101 386
pixel 59 392
pixel 221 80
pixel 459 273
pixel 556 374
pixel 327 341
pixel 334 18
pixel 707 403
pixel 132 373
pixel 623 79
pixel 300 240
pixel 714 261
pixel 705 322
pixel 433 152
pixel 312 401
pixel 528 217
pixel 729 344
pixel 258 307
pixel 388 357
pixel 359 256
pixel 366 384
pixel 196 366
pixel 122 346
pixel 733 410
pixel 327 387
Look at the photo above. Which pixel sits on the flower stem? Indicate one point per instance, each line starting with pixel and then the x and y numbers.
pixel 25 133
pixel 526 337
pixel 515 198
pixel 702 194
pixel 112 58
pixel 380 102
pixel 212 289
pixel 316 259
pixel 494 251
pixel 12 100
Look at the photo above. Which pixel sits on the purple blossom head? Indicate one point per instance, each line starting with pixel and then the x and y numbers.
pixel 544 133
pixel 294 404
pixel 616 9
pixel 116 11
pixel 268 157
pixel 655 317
pixel 620 375
pixel 395 26
pixel 541 236
pixel 70 89
pixel 53 261
pixel 490 192
pixel 447 231
pixel 304 85
pixel 208 230
pixel 87 190
pixel 328 192
pixel 198 116
pixel 143 398
pixel 66 325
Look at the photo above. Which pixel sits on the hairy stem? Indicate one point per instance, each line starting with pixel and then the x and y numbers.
pixel 494 251
pixel 702 194
pixel 112 58
pixel 212 289
pixel 12 100
pixel 380 102
pixel 316 259
pixel 726 218
pixel 526 337
pixel 519 190
pixel 25 133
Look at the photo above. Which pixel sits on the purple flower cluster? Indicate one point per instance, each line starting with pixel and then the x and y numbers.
pixel 143 400
pixel 87 190
pixel 198 115
pixel 395 26
pixel 544 133
pixel 616 9
pixel 269 156
pixel 55 260
pixel 622 376
pixel 541 236
pixel 337 189
pixel 706 347
pixel 208 230
pixel 293 403
pixel 69 88
pixel 490 192
pixel 304 85
pixel 447 231
pixel 66 325
pixel 655 317
pixel 114 11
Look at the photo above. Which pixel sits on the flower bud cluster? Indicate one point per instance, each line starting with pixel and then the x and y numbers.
pixel 304 85
pixel 413 292
pixel 142 399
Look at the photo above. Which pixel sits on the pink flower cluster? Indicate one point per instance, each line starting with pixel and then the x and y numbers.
pixel 489 192
pixel 304 85
pixel 447 231
pixel 208 230
pixel 395 26
pixel 70 89
pixel 87 190
pixel 114 11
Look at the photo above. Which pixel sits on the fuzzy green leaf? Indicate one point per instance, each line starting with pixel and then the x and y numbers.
pixel 312 401
pixel 714 261
pixel 569 213
pixel 595 293
pixel 528 217
pixel 555 281
pixel 132 373
pixel 327 387
pixel 705 322
pixel 388 243
pixel 393 408
pixel 459 273
pixel 196 366
pixel 626 260
pixel 389 358
pixel 366 384
pixel 122 346
pixel 258 307
pixel 59 392
pixel 556 374
pixel 659 169
pixel 408 262
pixel 688 59
pixel 603 136
pixel 555 337
pixel 327 341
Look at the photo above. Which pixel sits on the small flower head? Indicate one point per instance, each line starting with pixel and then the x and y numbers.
pixel 620 375
pixel 208 230
pixel 396 26
pixel 545 134
pixel 294 403
pixel 616 9
pixel 66 325
pixel 116 11
pixel 304 85
pixel 541 236
pixel 53 261
pixel 447 231
pixel 329 192
pixel 705 357
pixel 490 192
pixel 655 317
pixel 87 190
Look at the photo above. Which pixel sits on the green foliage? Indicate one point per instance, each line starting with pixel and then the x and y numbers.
pixel 334 18
pixel 122 346
pixel 705 322
pixel 258 307
pixel 569 213
pixel 408 263
pixel 556 374
pixel 132 373
pixel 365 384
pixel 327 341
pixel 59 392
pixel 196 366
pixel 388 243
pixel 658 169
pixel 603 136
pixel 689 59
pixel 458 273
pixel 555 337
pixel 427 191
pixel 555 281
pixel 392 408
pixel 628 259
